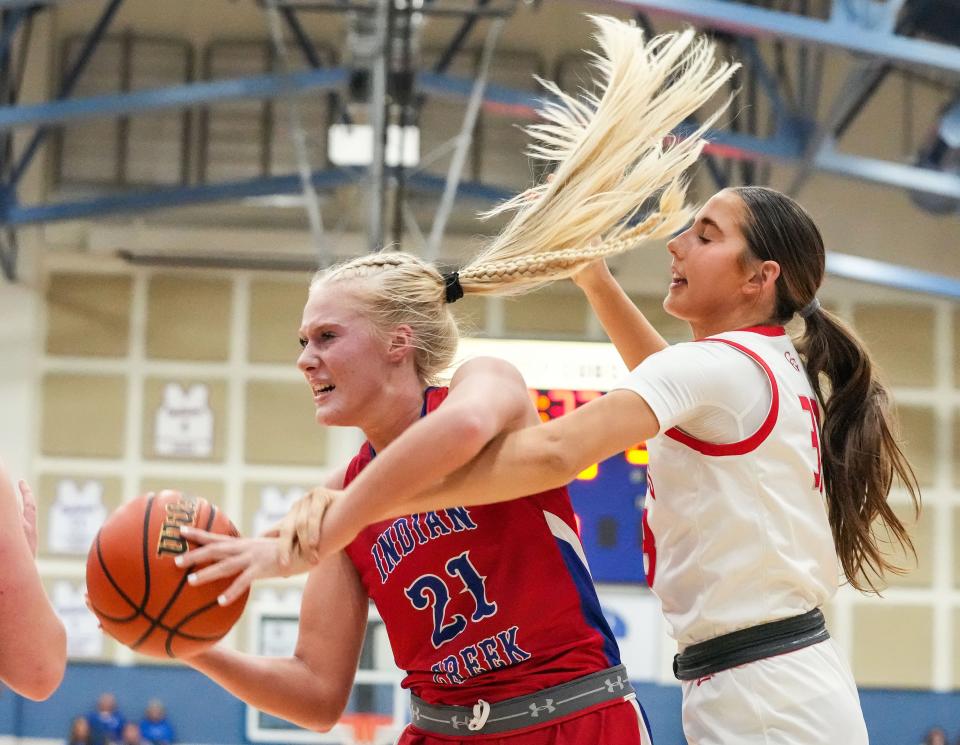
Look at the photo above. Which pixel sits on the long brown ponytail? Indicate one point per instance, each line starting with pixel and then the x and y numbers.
pixel 861 456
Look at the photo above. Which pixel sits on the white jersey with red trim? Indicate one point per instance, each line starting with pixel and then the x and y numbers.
pixel 739 525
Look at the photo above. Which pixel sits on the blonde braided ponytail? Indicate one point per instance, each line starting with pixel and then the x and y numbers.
pixel 614 153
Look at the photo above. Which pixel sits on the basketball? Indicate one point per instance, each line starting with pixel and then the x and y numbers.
pixel 141 597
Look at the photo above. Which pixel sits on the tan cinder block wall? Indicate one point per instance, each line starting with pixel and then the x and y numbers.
pixel 265 443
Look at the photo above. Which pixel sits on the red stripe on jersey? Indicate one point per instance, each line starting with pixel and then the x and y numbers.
pixel 752 442
pixel 764 330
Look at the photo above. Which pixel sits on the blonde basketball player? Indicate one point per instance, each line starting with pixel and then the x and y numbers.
pixel 768 463
pixel 33 643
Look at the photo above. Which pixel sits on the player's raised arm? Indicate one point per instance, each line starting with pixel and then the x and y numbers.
pixel 33 643
pixel 486 398
pixel 631 333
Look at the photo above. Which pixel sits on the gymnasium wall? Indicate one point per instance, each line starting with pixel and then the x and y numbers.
pixel 142 346
pixel 120 337
pixel 93 349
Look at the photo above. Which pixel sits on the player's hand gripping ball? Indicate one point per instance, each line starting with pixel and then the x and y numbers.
pixel 141 597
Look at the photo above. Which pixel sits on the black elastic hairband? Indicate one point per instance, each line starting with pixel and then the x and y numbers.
pixel 453 291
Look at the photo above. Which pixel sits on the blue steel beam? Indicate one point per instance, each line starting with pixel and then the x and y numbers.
pixel 173 97
pixel 750 20
pixel 469 189
pixel 741 146
pixel 18 215
pixel 497 98
pixel 888 173
pixel 891 275
pixel 791 150
pixel 180 196
pixel 79 65
pixel 7 4
pixel 766 79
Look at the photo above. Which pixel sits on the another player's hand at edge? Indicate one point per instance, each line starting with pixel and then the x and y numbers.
pixel 245 559
pixel 29 516
pixel 299 532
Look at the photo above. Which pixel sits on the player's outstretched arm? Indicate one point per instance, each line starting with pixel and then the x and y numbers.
pixel 631 333
pixel 487 397
pixel 546 455
pixel 514 464
pixel 310 688
pixel 33 643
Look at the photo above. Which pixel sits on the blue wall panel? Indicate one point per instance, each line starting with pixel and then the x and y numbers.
pixel 903 717
pixel 9 705
pixel 199 710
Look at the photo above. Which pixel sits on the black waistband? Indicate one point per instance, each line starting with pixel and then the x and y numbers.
pixel 750 645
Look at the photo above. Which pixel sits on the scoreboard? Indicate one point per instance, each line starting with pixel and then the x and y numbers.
pixel 608 497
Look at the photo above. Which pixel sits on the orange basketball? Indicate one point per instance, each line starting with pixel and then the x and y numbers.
pixel 141 597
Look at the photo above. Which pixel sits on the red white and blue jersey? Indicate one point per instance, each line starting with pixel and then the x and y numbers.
pixel 491 602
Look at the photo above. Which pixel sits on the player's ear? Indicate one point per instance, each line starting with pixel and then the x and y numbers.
pixel 401 343
pixel 761 278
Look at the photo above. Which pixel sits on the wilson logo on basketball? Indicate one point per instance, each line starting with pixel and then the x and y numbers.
pixel 178 514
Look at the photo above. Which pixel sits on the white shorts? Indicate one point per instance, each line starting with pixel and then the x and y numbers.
pixel 806 697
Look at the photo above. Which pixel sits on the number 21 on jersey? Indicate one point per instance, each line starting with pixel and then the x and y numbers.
pixel 431 591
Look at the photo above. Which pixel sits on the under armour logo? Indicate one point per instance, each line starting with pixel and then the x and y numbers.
pixel 415 711
pixel 457 723
pixel 547 707
pixel 792 360
pixel 617 684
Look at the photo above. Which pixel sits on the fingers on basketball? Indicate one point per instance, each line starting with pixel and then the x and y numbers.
pixel 139 594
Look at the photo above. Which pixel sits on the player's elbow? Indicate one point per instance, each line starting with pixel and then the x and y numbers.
pixel 50 673
pixel 472 431
pixel 325 707
pixel 315 714
pixel 42 685
pixel 555 458
pixel 325 720
pixel 321 724
pixel 42 676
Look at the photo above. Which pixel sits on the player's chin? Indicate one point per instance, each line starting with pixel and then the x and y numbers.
pixel 327 415
pixel 676 307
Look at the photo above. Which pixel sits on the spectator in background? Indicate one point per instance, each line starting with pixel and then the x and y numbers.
pixel 130 734
pixel 154 726
pixel 935 736
pixel 80 732
pixel 106 721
